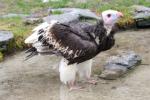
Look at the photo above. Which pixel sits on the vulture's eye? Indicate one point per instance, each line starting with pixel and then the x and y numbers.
pixel 109 15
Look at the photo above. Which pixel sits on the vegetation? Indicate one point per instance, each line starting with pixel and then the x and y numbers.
pixel 21 31
pixel 15 25
pixel 56 12
pixel 1 57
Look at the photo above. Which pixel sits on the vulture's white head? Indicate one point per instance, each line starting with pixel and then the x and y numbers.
pixel 110 17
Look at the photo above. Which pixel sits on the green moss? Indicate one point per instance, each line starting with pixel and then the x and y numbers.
pixel 1 57
pixel 57 12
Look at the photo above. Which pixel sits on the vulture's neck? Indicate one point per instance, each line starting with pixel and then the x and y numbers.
pixel 104 36
pixel 108 29
pixel 102 31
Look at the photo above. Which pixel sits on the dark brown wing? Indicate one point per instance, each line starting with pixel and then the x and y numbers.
pixel 70 43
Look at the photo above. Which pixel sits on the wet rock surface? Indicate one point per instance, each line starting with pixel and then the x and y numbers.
pixel 120 64
pixel 5 37
pixel 141 15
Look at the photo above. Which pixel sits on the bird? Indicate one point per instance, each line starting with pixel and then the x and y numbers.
pixel 76 45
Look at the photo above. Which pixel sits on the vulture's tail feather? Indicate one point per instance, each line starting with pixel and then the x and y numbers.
pixel 32 52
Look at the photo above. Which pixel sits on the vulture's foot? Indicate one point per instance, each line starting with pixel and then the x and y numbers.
pixel 92 81
pixel 72 86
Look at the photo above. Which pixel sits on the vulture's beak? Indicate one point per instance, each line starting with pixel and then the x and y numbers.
pixel 120 14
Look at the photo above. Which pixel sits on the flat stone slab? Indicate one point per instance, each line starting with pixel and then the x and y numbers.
pixel 6 36
pixel 118 65
pixel 71 15
pixel 81 12
pixel 63 18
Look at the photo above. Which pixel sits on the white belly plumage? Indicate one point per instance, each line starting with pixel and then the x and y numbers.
pixel 68 72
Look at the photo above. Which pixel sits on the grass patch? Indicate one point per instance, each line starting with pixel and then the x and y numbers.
pixel 16 26
pixel 1 57
pixel 56 12
pixel 28 6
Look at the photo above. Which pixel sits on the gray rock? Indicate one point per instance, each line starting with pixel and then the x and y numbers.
pixel 81 12
pixel 71 14
pixel 110 74
pixel 63 10
pixel 138 9
pixel 13 15
pixel 36 17
pixel 126 59
pixel 63 18
pixel 5 37
pixel 32 20
pixel 40 13
pixel 118 65
pixel 141 14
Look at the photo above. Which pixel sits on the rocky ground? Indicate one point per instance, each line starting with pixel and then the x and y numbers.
pixel 38 78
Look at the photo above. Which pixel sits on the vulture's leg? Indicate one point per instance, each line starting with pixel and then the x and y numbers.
pixel 68 74
pixel 84 71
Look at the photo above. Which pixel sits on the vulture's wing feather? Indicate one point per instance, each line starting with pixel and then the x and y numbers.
pixel 69 42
